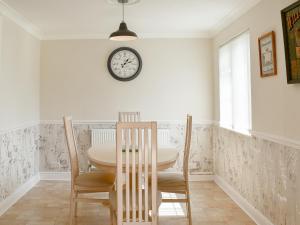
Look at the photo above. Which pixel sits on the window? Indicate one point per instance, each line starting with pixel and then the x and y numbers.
pixel 234 76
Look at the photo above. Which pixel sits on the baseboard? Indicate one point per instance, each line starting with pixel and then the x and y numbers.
pixel 253 213
pixel 62 176
pixel 17 194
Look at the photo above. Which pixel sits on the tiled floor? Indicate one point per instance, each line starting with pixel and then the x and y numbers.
pixel 48 204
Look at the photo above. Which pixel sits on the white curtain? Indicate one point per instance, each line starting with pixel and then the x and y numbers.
pixel 234 74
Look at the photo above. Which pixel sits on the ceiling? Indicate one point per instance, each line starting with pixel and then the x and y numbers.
pixel 62 19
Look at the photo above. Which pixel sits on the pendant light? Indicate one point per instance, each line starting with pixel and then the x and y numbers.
pixel 123 34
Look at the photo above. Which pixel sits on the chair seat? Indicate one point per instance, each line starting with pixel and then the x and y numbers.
pixel 113 199
pixel 97 182
pixel 171 182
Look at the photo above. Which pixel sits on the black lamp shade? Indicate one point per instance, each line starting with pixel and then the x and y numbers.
pixel 123 34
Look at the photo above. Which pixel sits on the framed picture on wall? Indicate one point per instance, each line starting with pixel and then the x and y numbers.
pixel 267 55
pixel 290 17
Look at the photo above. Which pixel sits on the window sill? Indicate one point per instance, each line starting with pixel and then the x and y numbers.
pixel 241 132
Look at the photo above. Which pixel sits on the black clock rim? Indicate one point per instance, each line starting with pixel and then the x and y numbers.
pixel 127 78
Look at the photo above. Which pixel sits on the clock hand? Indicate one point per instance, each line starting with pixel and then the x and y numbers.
pixel 125 63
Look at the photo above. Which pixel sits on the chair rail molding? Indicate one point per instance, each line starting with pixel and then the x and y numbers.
pixel 267 136
pixel 21 126
pixel 173 122
pixel 277 139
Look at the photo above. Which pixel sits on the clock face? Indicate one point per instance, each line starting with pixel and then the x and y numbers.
pixel 124 64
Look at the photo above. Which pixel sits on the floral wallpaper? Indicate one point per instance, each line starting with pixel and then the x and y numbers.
pixel 19 158
pixel 54 155
pixel 265 173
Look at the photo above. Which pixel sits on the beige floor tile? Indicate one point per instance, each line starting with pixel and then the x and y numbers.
pixel 48 204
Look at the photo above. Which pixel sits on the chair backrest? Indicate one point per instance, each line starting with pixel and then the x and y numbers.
pixel 187 147
pixel 136 168
pixel 129 117
pixel 71 142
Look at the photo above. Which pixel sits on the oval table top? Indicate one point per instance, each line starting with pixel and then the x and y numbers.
pixel 104 157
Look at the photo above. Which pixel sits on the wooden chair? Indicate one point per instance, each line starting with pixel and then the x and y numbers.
pixel 129 117
pixel 179 183
pixel 86 182
pixel 136 198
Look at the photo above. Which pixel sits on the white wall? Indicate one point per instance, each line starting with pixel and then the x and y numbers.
pixel 275 104
pixel 176 79
pixel 19 76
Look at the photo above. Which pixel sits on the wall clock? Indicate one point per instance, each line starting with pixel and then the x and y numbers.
pixel 124 64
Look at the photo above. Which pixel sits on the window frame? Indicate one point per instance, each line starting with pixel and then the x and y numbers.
pixel 231 126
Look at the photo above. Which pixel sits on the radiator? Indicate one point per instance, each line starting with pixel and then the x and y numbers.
pixel 103 136
pixel 108 136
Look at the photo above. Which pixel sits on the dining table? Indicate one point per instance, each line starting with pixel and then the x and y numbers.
pixel 104 157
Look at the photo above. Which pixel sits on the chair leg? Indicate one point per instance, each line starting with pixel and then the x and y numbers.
pixel 188 205
pixel 157 219
pixel 76 204
pixel 111 213
pixel 72 207
pixel 114 218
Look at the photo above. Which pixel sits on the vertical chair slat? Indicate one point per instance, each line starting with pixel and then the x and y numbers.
pixel 129 117
pixel 153 171
pixel 133 174
pixel 119 176
pixel 146 173
pixel 127 176
pixel 140 153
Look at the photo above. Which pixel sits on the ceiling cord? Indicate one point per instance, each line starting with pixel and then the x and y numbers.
pixel 123 10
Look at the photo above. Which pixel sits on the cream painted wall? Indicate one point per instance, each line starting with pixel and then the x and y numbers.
pixel 176 79
pixel 275 104
pixel 19 76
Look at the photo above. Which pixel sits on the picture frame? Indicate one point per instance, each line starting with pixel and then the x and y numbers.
pixel 267 54
pixel 290 17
